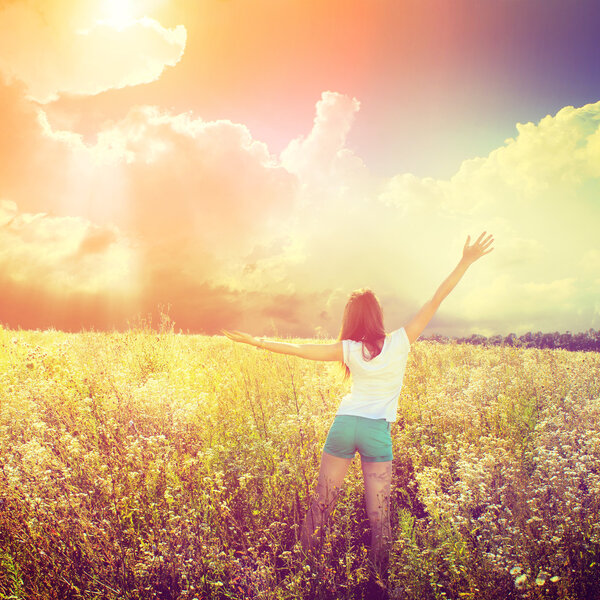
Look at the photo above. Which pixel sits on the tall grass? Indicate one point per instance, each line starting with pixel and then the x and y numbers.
pixel 145 465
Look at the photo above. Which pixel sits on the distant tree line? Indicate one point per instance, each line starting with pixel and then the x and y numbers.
pixel 586 340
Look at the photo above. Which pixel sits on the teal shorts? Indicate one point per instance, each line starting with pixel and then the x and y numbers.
pixel 371 437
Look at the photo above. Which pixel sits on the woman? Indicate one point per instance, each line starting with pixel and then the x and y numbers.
pixel 376 362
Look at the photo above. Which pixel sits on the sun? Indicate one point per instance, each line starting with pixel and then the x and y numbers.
pixel 118 13
pixel 123 13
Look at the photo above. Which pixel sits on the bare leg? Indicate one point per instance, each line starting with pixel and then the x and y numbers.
pixel 331 478
pixel 378 479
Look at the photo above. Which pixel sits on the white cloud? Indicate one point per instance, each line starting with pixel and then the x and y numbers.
pixel 216 215
pixel 560 151
pixel 64 254
pixel 55 49
pixel 537 193
pixel 323 154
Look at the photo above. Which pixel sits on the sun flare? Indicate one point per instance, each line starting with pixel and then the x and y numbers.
pixel 118 13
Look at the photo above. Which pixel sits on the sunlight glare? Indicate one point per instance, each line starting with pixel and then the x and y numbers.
pixel 118 13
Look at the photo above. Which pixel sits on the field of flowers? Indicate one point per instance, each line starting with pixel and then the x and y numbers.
pixel 144 465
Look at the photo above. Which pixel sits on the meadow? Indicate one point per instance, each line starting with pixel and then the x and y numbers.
pixel 147 464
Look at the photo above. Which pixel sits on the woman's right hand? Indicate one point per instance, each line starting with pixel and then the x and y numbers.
pixel 482 246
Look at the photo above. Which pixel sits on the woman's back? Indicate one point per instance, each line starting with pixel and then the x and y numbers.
pixel 377 381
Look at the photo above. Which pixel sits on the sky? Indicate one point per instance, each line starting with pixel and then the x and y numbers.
pixel 247 164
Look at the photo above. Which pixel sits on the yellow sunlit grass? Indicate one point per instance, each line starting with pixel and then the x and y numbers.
pixel 146 460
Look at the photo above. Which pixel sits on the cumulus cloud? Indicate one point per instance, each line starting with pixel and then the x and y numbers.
pixel 167 181
pixel 200 215
pixel 323 154
pixel 77 53
pixel 537 194
pixel 551 305
pixel 63 271
pixel 210 180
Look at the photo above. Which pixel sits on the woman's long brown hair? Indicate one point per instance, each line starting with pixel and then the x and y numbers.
pixel 363 322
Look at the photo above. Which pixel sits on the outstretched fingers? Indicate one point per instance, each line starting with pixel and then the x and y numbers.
pixel 481 246
pixel 237 336
pixel 487 243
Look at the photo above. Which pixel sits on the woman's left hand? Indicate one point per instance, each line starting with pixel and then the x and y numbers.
pixel 479 248
pixel 240 336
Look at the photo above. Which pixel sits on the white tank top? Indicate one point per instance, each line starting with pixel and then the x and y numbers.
pixel 376 383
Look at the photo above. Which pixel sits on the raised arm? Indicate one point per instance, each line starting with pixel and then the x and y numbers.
pixel 471 252
pixel 310 351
